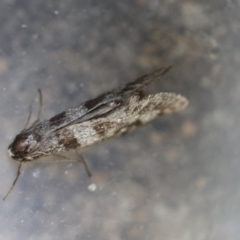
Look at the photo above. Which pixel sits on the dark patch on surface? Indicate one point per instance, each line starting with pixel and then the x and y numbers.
pixel 58 119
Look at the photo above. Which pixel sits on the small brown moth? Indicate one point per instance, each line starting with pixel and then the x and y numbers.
pixel 109 115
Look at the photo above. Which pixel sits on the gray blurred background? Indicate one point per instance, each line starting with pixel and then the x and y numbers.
pixel 176 178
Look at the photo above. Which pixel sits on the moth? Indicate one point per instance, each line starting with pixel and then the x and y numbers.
pixel 108 115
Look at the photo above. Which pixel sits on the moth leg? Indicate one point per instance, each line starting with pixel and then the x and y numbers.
pixel 15 180
pixel 78 160
pixel 40 107
pixel 84 163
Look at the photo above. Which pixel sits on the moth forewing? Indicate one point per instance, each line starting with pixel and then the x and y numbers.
pixel 98 119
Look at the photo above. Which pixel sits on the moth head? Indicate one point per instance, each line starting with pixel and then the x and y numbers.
pixel 23 146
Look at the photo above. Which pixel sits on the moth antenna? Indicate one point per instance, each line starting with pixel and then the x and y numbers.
pixel 39 111
pixel 40 107
pixel 29 117
pixel 15 180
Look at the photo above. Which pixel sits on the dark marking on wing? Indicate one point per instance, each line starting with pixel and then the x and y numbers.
pixel 93 102
pixel 128 128
pixel 142 82
pixel 140 96
pixel 147 109
pixel 69 143
pixel 68 140
pixel 134 125
pixel 58 119
pixel 101 128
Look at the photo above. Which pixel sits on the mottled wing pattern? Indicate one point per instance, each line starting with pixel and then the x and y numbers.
pixel 138 111
pixel 98 106
pixel 109 115
pixel 112 100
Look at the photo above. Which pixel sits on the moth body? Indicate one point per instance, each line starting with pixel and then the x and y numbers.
pixel 109 115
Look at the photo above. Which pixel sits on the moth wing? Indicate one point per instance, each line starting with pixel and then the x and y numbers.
pixel 149 108
pixel 132 88
pixel 105 102
pixel 146 109
pixel 141 83
pixel 102 110
pixel 141 111
pixel 137 112
pixel 109 101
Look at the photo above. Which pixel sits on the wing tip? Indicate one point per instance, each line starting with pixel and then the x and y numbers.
pixel 172 102
pixel 181 103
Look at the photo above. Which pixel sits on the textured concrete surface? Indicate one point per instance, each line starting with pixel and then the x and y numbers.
pixel 176 178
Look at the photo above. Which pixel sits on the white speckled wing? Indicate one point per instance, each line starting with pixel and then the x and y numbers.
pixel 127 117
